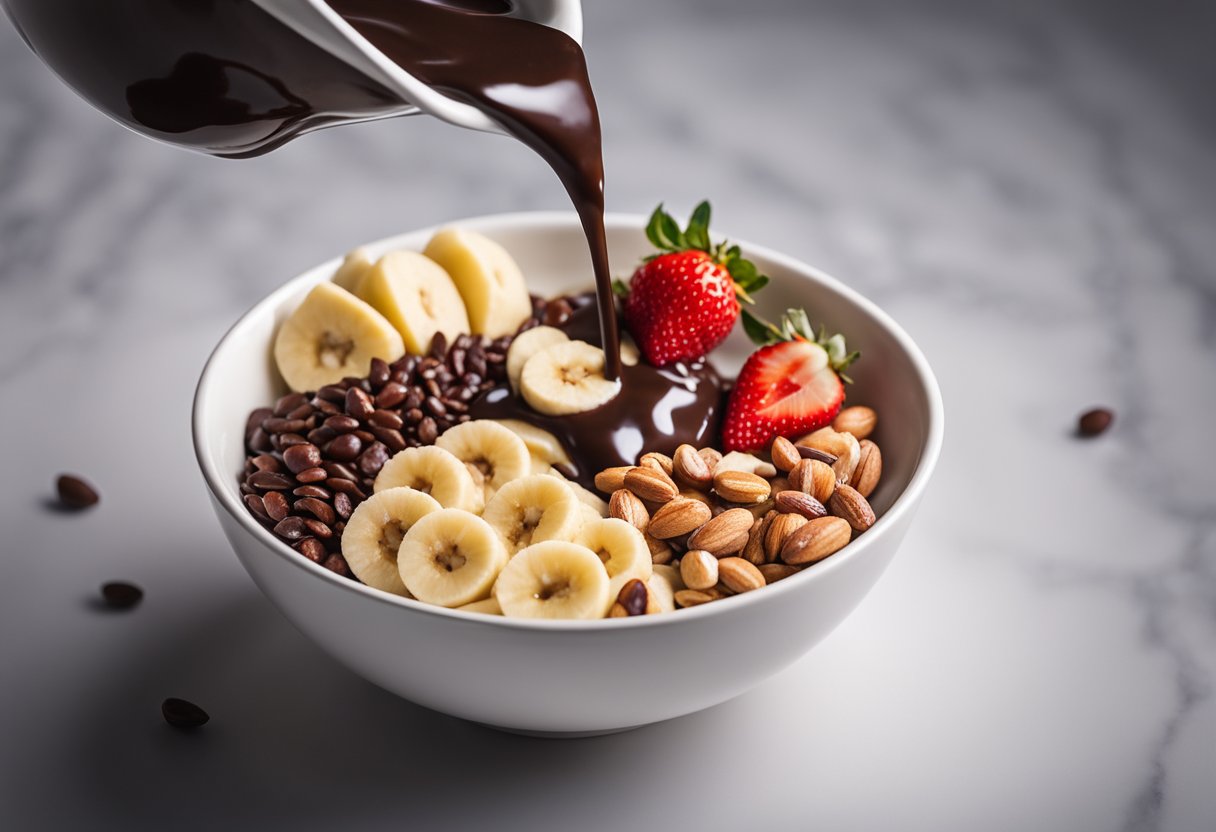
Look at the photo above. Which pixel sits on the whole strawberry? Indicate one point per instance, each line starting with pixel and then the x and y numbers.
pixel 684 301
pixel 792 385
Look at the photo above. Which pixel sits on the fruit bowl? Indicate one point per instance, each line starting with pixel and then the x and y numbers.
pixel 577 677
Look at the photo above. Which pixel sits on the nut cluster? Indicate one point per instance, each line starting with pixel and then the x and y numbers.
pixel 737 522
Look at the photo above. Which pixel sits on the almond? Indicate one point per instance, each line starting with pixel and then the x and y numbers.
pixel 795 502
pixel 739 575
pixel 625 505
pixel 741 487
pixel 725 534
pixel 843 446
pixel 785 455
pixel 869 469
pixel 699 569
pixel 699 496
pixel 663 461
pixel 650 483
pixel 679 516
pixel 811 476
pixel 711 456
pixel 753 552
pixel 660 550
pixel 779 532
pixel 611 479
pixel 774 572
pixel 690 468
pixel 617 611
pixel 816 540
pixel 692 598
pixel 859 421
pixel 848 503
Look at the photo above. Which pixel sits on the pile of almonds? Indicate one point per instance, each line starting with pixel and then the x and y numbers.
pixel 736 522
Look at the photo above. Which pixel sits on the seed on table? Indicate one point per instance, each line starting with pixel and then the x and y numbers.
pixel 288 403
pixel 121 595
pixel 259 440
pixel 343 505
pixel 1094 422
pixel 373 459
pixel 254 503
pixel 312 491
pixel 311 475
pixel 435 407
pixel 255 420
pixel 321 436
pixel 288 440
pixel 345 486
pixel 379 373
pixel 183 714
pixel 318 529
pixel 332 393
pixel 345 448
pixel 392 438
pixel 75 493
pixel 270 481
pixel 299 457
pixel 326 408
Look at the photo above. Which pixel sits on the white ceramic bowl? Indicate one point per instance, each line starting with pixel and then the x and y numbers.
pixel 579 677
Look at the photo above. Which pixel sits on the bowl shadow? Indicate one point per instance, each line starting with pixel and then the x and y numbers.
pixel 296 739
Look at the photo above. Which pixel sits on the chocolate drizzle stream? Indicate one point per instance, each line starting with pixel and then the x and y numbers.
pixel 529 78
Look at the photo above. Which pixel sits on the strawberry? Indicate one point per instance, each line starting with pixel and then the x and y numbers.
pixel 792 385
pixel 684 301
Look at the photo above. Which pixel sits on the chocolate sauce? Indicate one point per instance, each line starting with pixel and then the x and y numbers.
pixel 658 409
pixel 529 78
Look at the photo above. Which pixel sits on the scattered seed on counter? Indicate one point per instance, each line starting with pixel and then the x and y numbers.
pixel 1094 422
pixel 183 714
pixel 121 595
pixel 75 493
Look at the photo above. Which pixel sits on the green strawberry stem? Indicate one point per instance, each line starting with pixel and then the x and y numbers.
pixel 664 232
pixel 796 326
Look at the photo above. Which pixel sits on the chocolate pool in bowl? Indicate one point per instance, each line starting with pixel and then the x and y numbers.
pixel 578 677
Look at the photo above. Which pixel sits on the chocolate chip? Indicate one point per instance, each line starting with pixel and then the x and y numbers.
pixel 312 549
pixel 300 457
pixel 75 493
pixel 276 505
pixel 311 475
pixel 345 448
pixel 182 714
pixel 291 528
pixel 815 453
pixel 121 595
pixel 317 508
pixel 358 403
pixel 1091 423
pixel 269 480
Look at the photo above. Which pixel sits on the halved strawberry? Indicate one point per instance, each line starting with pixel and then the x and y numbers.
pixel 683 301
pixel 792 385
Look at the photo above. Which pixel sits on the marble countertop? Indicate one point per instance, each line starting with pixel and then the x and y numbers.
pixel 1028 189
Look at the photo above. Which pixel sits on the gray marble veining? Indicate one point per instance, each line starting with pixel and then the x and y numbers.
pixel 1027 188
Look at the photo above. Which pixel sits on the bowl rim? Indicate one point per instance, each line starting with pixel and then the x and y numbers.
pixel 539 220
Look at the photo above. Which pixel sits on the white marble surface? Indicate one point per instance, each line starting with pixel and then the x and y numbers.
pixel 1027 188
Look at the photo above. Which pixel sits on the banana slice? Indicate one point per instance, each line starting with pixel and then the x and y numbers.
pixel 433 471
pixel 566 378
pixel 629 351
pixel 489 606
pixel 553 579
pixel 534 508
pixel 450 558
pixel 545 448
pixel 330 335
pixel 588 514
pixel 374 533
pixel 527 344
pixel 620 547
pixel 494 452
pixel 487 277
pixel 417 296
pixel 354 266
pixel 589 499
pixel 662 595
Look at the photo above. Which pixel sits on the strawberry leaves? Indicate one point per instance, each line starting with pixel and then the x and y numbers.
pixel 796 326
pixel 666 235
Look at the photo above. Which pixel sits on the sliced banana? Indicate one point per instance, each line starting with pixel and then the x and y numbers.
pixel 629 351
pixel 434 471
pixel 417 296
pixel 489 449
pixel 661 595
pixel 486 276
pixel 589 499
pixel 488 606
pixel 553 579
pixel 566 378
pixel 588 514
pixel 527 344
pixel 354 266
pixel 534 508
pixel 450 558
pixel 620 547
pixel 545 448
pixel 374 533
pixel 332 334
